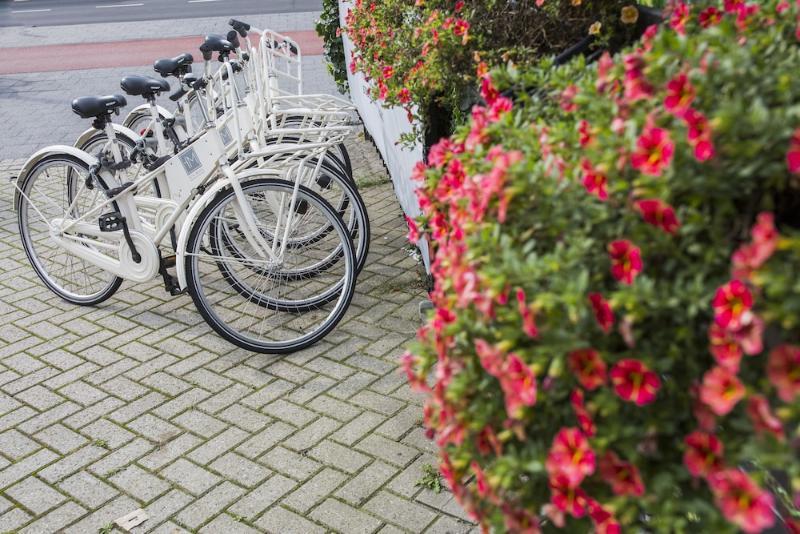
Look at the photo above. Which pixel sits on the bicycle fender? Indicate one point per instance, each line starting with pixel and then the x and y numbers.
pixel 43 153
pixel 118 128
pixel 144 109
pixel 191 216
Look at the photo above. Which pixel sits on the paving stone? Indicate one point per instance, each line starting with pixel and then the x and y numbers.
pixel 25 467
pixel 291 413
pixel 240 469
pixel 166 506
pixel 366 482
pixel 263 496
pixel 265 440
pixel 448 525
pixel 314 490
pixel 61 438
pixel 14 518
pixel 71 463
pixel 153 428
pixel 281 521
pixel 139 483
pixel 290 463
pixel 55 520
pixel 399 511
pixel 218 445
pixel 209 505
pixel 346 459
pixel 110 434
pixel 406 483
pixel 244 417
pixel 272 391
pixel 312 434
pixel 104 516
pixel 227 524
pixel 344 518
pixel 88 489
pixel 122 457
pixel 92 413
pixel 40 398
pixel 15 445
pixel 334 408
pixel 357 428
pixel 387 450
pixel 82 393
pixel 200 423
pixel 193 478
pixel 376 402
pixel 167 452
pixel 35 495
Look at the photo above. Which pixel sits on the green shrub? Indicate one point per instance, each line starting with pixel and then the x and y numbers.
pixel 329 29
pixel 616 333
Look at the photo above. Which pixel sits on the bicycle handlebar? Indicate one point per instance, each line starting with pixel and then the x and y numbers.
pixel 241 27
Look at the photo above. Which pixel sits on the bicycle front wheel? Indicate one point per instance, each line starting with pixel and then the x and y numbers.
pixel 249 299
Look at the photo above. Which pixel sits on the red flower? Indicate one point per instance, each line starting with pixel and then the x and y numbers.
pixel 706 419
pixel 519 385
pixel 581 413
pixel 636 85
pixel 388 72
pixel 461 28
pixel 603 313
pixel 724 348
pixel 634 382
pixel 750 257
pixel 626 260
pixel 732 303
pixel 528 323
pixel 568 97
pixel 404 96
pixel 623 477
pixel 659 214
pixel 742 501
pixel 588 367
pixel 699 134
pixel 680 95
pixel 710 17
pixel 484 490
pixel 491 357
pixel 703 456
pixel 793 155
pixel 604 522
pixel 570 456
pixel 595 182
pixel 721 390
pixel 783 370
pixel 679 18
pixel 585 133
pixel 762 418
pixel 654 150
pixel 750 334
pixel 567 498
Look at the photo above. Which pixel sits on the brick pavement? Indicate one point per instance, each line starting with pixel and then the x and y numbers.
pixel 136 403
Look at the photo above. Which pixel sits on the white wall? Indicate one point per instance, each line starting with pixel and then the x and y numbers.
pixel 386 126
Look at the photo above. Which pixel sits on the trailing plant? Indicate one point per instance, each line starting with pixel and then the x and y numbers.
pixel 328 28
pixel 615 340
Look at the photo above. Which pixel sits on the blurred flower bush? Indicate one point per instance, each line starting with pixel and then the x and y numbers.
pixel 615 343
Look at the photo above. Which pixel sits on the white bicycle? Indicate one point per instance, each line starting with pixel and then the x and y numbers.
pixel 84 230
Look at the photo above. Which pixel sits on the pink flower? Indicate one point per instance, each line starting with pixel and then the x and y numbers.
pixel 703 456
pixel 594 180
pixel 480 480
pixel 721 390
pixel 626 260
pixel 623 477
pixel 404 96
pixel 654 151
pixel 636 85
pixel 658 213
pixel 588 367
pixel 679 17
pixel 604 521
pixel 603 313
pixel 585 133
pixel 491 357
pixel 724 348
pixel 680 95
pixel 528 323
pixel 519 385
pixel 750 334
pixel 732 302
pixel 762 417
pixel 570 456
pixel 742 501
pixel 585 422
pixel 783 370
pixel 634 382
pixel 413 231
pixel 568 97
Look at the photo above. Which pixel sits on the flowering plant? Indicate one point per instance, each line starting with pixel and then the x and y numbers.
pixel 615 340
pixel 423 54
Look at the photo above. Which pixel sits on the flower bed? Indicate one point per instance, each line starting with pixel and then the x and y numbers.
pixel 616 334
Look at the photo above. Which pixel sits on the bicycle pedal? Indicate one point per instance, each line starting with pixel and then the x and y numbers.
pixel 111 222
pixel 324 181
pixel 301 207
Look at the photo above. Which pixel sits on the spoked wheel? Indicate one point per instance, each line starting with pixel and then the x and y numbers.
pixel 252 300
pixel 55 188
pixel 95 144
pixel 343 197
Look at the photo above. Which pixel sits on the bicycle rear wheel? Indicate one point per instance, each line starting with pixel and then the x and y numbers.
pixel 262 309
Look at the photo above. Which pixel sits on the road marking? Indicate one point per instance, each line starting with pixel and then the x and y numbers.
pixel 30 10
pixel 119 5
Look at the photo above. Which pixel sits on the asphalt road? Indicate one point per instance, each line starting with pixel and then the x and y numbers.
pixel 61 12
